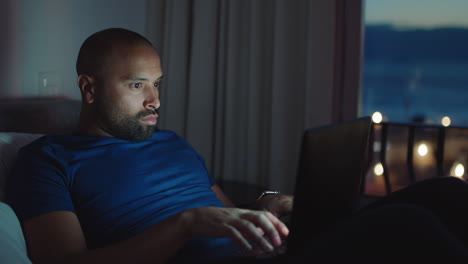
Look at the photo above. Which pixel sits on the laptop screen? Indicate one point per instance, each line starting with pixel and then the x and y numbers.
pixel 330 172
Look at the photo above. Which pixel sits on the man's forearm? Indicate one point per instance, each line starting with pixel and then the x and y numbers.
pixel 160 242
pixel 157 244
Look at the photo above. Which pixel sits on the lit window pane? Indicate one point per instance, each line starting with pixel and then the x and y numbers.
pixel 416 61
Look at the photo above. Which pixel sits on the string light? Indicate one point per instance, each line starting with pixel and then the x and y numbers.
pixel 457 170
pixel 377 117
pixel 378 169
pixel 446 121
pixel 423 149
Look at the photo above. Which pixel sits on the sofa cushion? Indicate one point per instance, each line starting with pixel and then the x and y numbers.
pixel 10 143
pixel 12 244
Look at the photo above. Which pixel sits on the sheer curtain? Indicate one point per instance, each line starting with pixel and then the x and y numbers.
pixel 244 78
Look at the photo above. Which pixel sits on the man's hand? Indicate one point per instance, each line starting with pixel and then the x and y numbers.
pixel 241 225
pixel 278 204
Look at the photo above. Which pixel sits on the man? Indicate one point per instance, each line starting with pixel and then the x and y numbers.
pixel 118 190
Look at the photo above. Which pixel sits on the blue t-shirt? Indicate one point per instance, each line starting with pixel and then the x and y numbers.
pixel 117 188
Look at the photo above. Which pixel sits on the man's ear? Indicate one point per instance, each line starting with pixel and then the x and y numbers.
pixel 86 84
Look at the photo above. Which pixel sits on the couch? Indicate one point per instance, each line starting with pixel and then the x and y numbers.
pixel 23 120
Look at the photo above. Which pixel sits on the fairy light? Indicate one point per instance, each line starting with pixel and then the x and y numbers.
pixel 377 117
pixel 378 169
pixel 459 170
pixel 423 149
pixel 446 121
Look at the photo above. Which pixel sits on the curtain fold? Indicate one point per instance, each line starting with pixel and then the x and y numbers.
pixel 240 82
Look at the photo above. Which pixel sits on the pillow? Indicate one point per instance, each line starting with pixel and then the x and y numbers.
pixel 10 143
pixel 12 244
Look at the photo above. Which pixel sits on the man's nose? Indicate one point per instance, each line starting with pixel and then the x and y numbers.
pixel 152 100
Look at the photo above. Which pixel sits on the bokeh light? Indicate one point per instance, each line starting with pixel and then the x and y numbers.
pixel 446 121
pixel 423 149
pixel 377 117
pixel 378 169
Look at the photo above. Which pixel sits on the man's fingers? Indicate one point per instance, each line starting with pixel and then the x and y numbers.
pixel 251 231
pixel 260 231
pixel 245 227
pixel 261 220
pixel 278 224
pixel 239 238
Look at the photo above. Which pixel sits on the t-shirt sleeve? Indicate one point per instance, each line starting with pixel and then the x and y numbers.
pixel 211 180
pixel 38 183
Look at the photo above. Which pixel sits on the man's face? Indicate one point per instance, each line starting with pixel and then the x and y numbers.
pixel 127 92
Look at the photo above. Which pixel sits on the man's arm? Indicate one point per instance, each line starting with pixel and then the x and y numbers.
pixel 222 196
pixel 279 204
pixel 58 238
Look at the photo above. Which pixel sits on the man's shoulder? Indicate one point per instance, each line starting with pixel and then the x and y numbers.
pixel 40 141
pixel 62 142
pixel 42 144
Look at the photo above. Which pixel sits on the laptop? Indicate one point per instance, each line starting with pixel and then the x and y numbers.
pixel 329 178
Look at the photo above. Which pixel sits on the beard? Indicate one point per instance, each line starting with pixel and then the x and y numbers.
pixel 119 124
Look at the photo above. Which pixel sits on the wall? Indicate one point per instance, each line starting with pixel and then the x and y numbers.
pixel 41 39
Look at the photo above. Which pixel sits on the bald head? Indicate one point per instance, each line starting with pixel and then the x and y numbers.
pixel 119 73
pixel 97 48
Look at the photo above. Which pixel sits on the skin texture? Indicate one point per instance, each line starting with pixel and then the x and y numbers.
pixel 122 102
pixel 117 101
pixel 278 205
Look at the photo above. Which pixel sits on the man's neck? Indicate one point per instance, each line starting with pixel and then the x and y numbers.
pixel 87 127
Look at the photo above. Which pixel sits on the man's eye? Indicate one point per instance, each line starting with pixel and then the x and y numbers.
pixel 156 84
pixel 137 85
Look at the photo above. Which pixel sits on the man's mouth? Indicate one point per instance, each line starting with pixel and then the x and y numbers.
pixel 150 119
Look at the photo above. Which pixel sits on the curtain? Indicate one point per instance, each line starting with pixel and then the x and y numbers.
pixel 243 79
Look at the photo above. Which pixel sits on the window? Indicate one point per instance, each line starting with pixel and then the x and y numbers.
pixel 415 65
pixel 415 78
